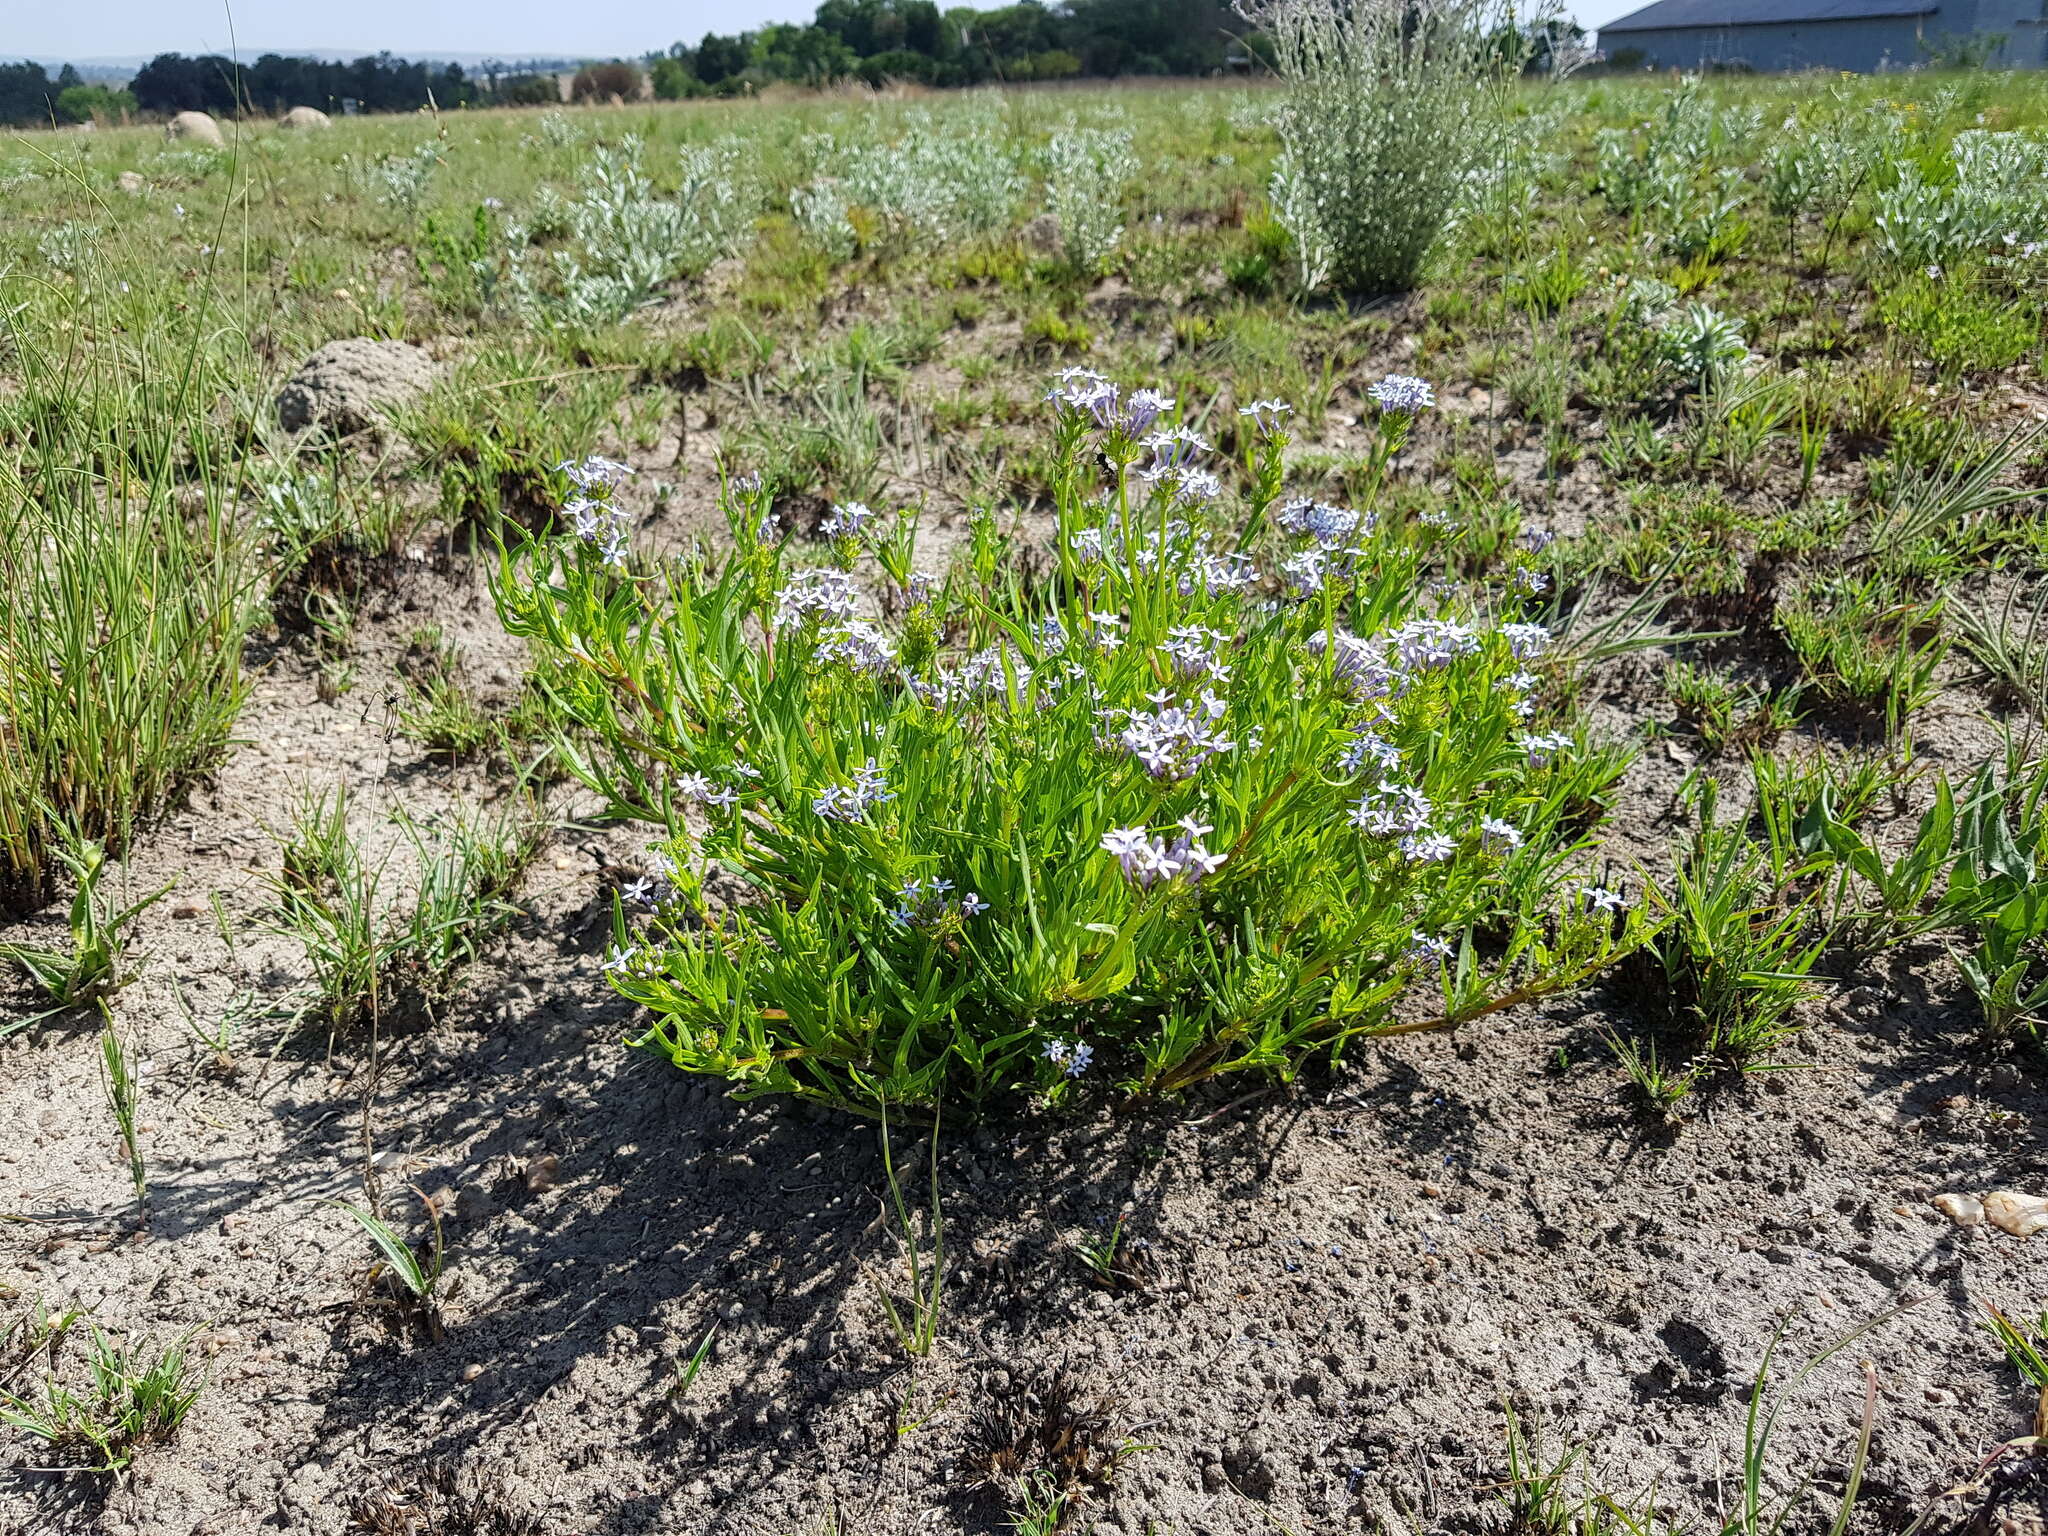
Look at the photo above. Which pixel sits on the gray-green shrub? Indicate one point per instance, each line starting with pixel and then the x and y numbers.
pixel 1381 126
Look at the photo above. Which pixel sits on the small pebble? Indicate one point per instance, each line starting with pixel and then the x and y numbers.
pixel 471 1371
pixel 1963 1210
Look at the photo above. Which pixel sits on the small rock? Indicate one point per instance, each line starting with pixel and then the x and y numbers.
pixel 2010 1211
pixel 545 1173
pixel 1963 1210
pixel 471 1371
pixel 305 117
pixel 189 909
pixel 131 182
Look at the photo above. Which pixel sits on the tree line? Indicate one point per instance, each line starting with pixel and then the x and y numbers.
pixel 876 40
pixel 871 40
pixel 171 82
pixel 28 96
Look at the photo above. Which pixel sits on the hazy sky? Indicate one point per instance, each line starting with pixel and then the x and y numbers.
pixel 87 29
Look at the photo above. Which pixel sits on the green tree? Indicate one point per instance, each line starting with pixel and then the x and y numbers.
pixel 807 55
pixel 672 79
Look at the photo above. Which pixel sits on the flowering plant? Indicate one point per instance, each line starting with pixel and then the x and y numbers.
pixel 1233 783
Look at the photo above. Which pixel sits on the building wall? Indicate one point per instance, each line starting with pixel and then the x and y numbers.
pixel 1866 44
pixel 2019 22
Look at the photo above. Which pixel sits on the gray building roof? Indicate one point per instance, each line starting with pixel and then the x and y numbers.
pixel 1755 13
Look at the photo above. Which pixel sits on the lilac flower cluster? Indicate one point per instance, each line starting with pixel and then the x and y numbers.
pixel 1368 746
pixel 927 903
pixel 1148 860
pixel 847 519
pixel 1200 569
pixel 1392 810
pixel 850 802
pixel 980 676
pixel 1328 526
pixel 1172 740
pixel 657 887
pixel 1197 652
pixel 1173 448
pixel 1425 950
pixel 1541 749
pixel 1084 392
pixel 1525 641
pixel 602 524
pixel 819 592
pixel 1306 572
pixel 592 517
pixel 1266 414
pixel 631 960
pixel 1428 644
pixel 1361 666
pixel 861 646
pixel 1400 394
pixel 596 475
pixel 1072 1059
pixel 699 790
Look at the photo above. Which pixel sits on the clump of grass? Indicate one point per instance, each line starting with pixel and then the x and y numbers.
pixel 1114 1264
pixel 2025 1342
pixel 1380 127
pixel 121 629
pixel 1861 641
pixel 1722 711
pixel 1046 1442
pixel 371 952
pixel 133 1400
pixel 123 1083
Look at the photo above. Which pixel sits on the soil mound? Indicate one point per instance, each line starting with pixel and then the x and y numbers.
pixel 349 385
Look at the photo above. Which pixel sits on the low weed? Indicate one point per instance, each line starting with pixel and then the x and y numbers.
pixel 2025 1342
pixel 915 1320
pixel 122 1079
pixel 1735 961
pixel 1861 641
pixel 1723 712
pixel 97 964
pixel 1044 1442
pixel 410 1282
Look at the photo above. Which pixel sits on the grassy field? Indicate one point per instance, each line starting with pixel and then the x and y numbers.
pixel 740 618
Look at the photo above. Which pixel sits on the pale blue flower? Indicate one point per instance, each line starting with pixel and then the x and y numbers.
pixel 1401 394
